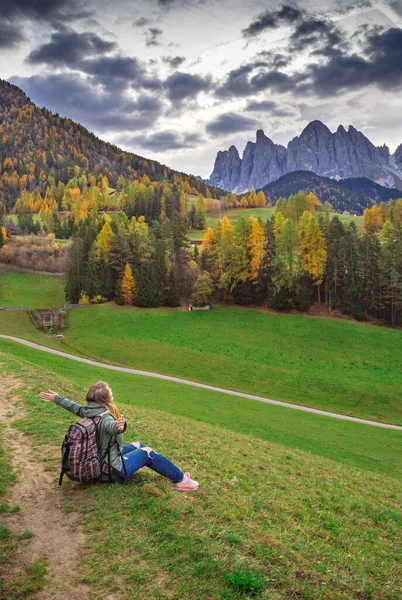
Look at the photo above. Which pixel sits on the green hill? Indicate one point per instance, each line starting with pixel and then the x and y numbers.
pixel 352 194
pixel 268 521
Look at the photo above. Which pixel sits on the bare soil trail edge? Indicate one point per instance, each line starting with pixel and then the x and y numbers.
pixel 200 385
pixel 57 537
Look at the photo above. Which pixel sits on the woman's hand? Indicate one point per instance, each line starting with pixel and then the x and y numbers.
pixel 121 421
pixel 48 396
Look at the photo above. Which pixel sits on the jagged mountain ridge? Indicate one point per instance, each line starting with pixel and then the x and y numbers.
pixel 353 194
pixel 339 155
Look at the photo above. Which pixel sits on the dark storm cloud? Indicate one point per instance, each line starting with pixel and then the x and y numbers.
pixel 10 35
pixel 69 48
pixel 43 10
pixel 100 110
pixel 161 141
pixel 174 61
pixel 271 19
pixel 181 86
pixel 380 63
pixel 268 106
pixel 152 36
pixel 231 123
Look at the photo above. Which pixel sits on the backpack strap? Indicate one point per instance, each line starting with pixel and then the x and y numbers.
pixel 112 442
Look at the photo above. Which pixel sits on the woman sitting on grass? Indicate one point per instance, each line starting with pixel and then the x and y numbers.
pixel 135 455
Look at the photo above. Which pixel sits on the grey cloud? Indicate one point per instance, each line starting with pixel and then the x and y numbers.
pixel 174 61
pixel 269 106
pixel 152 36
pixel 161 141
pixel 254 77
pixel 10 35
pixel 70 48
pixel 317 32
pixel 231 123
pixel 271 19
pixel 379 64
pixel 142 22
pixel 70 95
pixel 43 10
pixel 180 86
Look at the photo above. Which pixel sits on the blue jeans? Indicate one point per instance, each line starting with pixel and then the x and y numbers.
pixel 134 459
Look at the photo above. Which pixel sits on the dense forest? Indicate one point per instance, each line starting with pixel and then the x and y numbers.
pixel 353 194
pixel 41 150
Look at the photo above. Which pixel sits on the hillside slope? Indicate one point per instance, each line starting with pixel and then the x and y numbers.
pixel 354 194
pixel 39 149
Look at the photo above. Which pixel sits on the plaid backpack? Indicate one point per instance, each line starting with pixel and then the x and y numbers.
pixel 81 457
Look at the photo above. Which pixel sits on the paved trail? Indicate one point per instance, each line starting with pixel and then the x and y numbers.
pixel 199 385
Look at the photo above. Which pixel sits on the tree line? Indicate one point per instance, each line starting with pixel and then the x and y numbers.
pixel 296 258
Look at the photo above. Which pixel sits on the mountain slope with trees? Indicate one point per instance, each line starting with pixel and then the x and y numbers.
pixel 39 149
pixel 354 194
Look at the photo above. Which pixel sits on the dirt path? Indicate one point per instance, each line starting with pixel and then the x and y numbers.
pixel 56 534
pixel 94 363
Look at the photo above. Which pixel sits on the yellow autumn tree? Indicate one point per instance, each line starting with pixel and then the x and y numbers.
pixel 256 248
pixel 208 240
pixel 312 202
pixel 104 242
pixel 261 199
pixel 128 287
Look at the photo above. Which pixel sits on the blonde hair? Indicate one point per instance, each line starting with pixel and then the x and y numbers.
pixel 100 393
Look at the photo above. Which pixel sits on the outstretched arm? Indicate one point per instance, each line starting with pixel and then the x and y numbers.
pixel 73 407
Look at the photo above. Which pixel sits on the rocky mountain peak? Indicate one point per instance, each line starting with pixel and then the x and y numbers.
pixel 398 156
pixel 342 154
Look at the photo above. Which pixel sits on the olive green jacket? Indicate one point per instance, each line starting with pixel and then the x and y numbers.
pixel 107 426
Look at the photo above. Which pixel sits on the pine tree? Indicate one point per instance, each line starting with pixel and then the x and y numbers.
pixel 128 287
pixel 75 271
pixel 203 290
pixel 335 268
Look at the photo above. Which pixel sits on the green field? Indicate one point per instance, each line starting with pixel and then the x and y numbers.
pixel 23 288
pixel 269 521
pixel 335 365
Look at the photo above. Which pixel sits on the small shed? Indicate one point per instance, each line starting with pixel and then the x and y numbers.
pixel 48 318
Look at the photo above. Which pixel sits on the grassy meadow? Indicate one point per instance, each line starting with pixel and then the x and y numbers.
pixel 365 447
pixel 23 288
pixel 269 521
pixel 331 364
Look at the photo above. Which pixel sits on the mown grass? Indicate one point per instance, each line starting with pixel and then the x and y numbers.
pixel 361 446
pixel 268 522
pixel 334 365
pixel 22 288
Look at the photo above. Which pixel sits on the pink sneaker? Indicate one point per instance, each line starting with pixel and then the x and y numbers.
pixel 187 484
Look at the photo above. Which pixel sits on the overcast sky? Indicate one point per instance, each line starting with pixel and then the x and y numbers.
pixel 178 80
